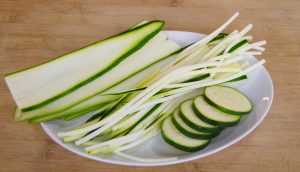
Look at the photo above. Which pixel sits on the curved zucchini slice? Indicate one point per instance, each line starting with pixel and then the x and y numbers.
pixel 188 115
pixel 93 103
pixel 212 115
pixel 228 100
pixel 188 131
pixel 34 87
pixel 178 140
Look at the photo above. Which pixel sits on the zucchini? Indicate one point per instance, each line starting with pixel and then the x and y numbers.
pixel 42 114
pixel 219 37
pixel 188 131
pixel 243 77
pixel 175 138
pixel 238 45
pixel 227 99
pixel 137 63
pixel 197 78
pixel 188 115
pixel 212 115
pixel 28 86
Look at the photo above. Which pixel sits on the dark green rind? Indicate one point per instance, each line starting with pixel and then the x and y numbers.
pixel 95 76
pixel 222 124
pixel 63 115
pixel 193 135
pixel 218 37
pixel 98 115
pixel 197 127
pixel 226 110
pixel 238 45
pixel 182 147
pixel 143 118
pixel 197 78
pixel 138 24
pixel 113 108
pixel 243 77
pixel 125 92
pixel 54 116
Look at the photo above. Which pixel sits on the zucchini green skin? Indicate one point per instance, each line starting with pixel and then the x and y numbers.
pixel 198 78
pixel 219 36
pixel 244 77
pixel 135 47
pixel 60 113
pixel 143 118
pixel 194 135
pixel 180 146
pixel 224 109
pixel 213 122
pixel 65 114
pixel 238 45
pixel 197 127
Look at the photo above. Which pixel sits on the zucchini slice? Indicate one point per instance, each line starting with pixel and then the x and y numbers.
pixel 178 140
pixel 188 131
pixel 34 87
pixel 188 115
pixel 49 112
pixel 212 115
pixel 228 100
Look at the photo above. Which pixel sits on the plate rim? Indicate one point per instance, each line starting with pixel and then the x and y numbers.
pixel 141 164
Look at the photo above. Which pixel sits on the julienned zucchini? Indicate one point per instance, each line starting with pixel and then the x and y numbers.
pixel 180 141
pixel 188 115
pixel 188 131
pixel 227 99
pixel 39 115
pixel 212 115
pixel 95 60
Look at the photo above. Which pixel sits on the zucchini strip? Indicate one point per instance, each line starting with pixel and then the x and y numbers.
pixel 151 63
pixel 95 60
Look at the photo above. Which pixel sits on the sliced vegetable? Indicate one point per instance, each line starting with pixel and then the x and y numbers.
pixel 227 99
pixel 178 140
pixel 188 115
pixel 130 82
pixel 212 115
pixel 188 131
pixel 28 86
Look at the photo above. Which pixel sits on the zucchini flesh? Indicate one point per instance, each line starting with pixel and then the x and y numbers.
pixel 28 86
pixel 212 115
pixel 188 115
pixel 227 99
pixel 188 131
pixel 178 140
pixel 41 115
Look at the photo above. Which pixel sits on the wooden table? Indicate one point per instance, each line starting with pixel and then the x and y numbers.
pixel 34 31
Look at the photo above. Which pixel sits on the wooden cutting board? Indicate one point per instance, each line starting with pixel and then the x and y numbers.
pixel 34 31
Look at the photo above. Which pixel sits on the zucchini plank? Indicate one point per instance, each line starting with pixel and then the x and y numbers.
pixel 76 69
pixel 46 114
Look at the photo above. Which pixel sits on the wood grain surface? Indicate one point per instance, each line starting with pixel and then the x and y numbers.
pixel 34 31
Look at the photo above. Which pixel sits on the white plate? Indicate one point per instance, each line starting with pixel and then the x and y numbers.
pixel 258 87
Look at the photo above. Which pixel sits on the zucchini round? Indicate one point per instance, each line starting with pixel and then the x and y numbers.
pixel 212 115
pixel 178 140
pixel 227 99
pixel 188 115
pixel 188 131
